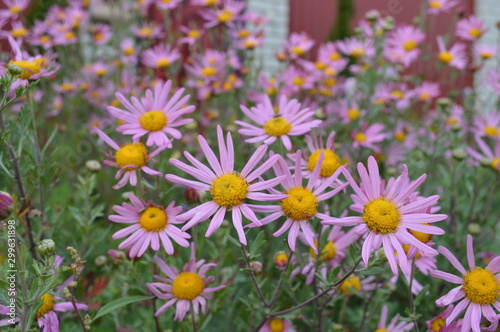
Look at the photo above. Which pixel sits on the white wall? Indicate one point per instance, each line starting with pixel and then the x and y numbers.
pixel 489 12
pixel 276 31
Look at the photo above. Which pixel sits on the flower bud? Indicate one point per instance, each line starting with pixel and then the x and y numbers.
pixel 485 162
pixel 474 228
pixel 459 154
pixel 192 195
pixel 100 260
pixel 46 247
pixel 372 15
pixel 14 69
pixel 126 196
pixel 256 267
pixel 93 165
pixel 6 204
pixel 280 259
pixel 444 102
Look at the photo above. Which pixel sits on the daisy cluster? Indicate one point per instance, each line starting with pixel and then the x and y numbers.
pixel 327 156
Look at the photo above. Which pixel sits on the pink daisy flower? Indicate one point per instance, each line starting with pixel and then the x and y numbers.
pixel 437 323
pixel 167 4
pixel 277 324
pixel 487 124
pixel 192 35
pixel 301 203
pixel 128 158
pixel 298 44
pixel 101 34
pixel 229 189
pixel 150 31
pixel 394 326
pixel 441 6
pixel 456 56
pixel 478 290
pixel 187 289
pixel 150 224
pixel 485 52
pixel 427 91
pixel 470 28
pixel 155 115
pixel 368 136
pixel 160 56
pixel 289 120
pixel 356 48
pixel 231 11
pixel 489 155
pixel 386 217
pixel 13 8
pixel 129 54
pixel 404 42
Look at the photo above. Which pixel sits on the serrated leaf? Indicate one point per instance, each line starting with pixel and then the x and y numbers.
pixel 116 304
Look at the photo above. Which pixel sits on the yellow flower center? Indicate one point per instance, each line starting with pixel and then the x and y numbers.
pixel 452 120
pixel 330 81
pixel 491 131
pixel 297 50
pixel 98 36
pixel 211 2
pixel 320 65
pixel 435 4
pixel 132 154
pixel 225 16
pixel 298 81
pixel 422 237
pixel 398 94
pixel 193 33
pixel 153 121
pixel 360 137
pixel 446 57
pixel 277 127
pixel 276 325
pixel 187 286
pixel 244 33
pixel 481 286
pixel 406 248
pixel 495 162
pixel 353 113
pixel 400 136
pixel 486 54
pixel 331 162
pixel 162 63
pixel 15 9
pixel 352 282
pixel 409 45
pixel 47 305
pixel 335 56
pixel 301 204
pixel 327 253
pixel 424 96
pixel 357 52
pixel 67 86
pixel 69 35
pixel 153 219
pixel 381 216
pixel 381 330
pixel 229 190
pixel 208 71
pixel 29 68
pixel 475 32
pixel 21 32
pixel 437 323
pixel 146 32
pixel 128 51
pixel 250 43
pixel 281 258
pixel 44 39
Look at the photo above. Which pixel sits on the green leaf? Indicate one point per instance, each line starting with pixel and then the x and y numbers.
pixel 113 305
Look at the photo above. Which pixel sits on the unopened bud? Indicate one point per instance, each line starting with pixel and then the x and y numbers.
pixel 372 15
pixel 192 195
pixel 280 259
pixel 100 260
pixel 93 166
pixel 256 267
pixel 485 162
pixel 46 247
pixel 444 102
pixel 459 154
pixel 474 228
pixel 14 70
pixel 126 195
pixel 6 204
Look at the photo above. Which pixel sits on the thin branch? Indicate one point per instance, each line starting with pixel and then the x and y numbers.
pixel 252 275
pixel 410 295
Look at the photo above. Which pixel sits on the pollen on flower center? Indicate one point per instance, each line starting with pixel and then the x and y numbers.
pixel 435 4
pixel 208 71
pixel 225 16
pixel 328 252
pixel 15 9
pixel 360 137
pixel 132 154
pixel 153 219
pixel 357 52
pixel 187 286
pixel 276 325
pixel 331 162
pixel 446 57
pixel 409 45
pixel 146 31
pixel 437 323
pixel 491 131
pixel 481 286
pixel 381 216
pixel 229 190
pixel 353 113
pixel 475 32
pixel 297 50
pixel 47 305
pixel 153 120
pixel 301 204
pixel 29 68
pixel 162 63
pixel 495 162
pixel 277 127
pixel 352 282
